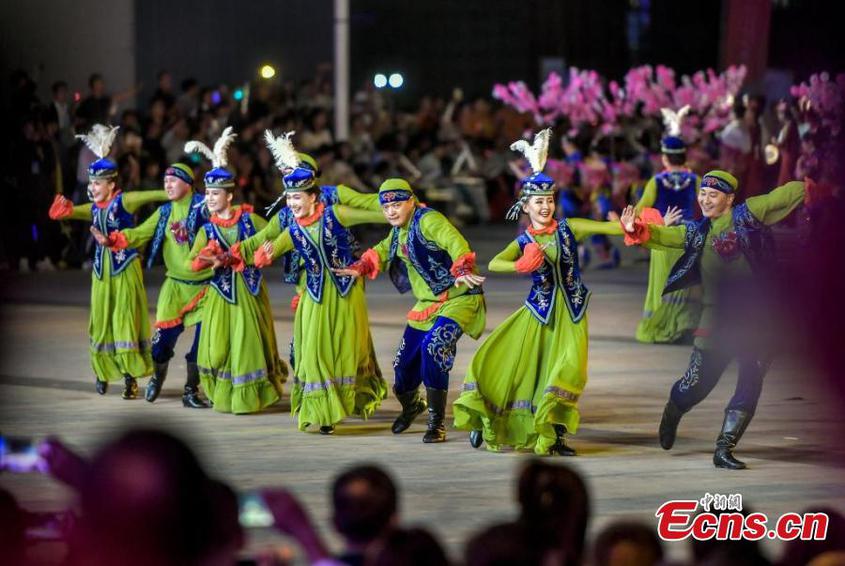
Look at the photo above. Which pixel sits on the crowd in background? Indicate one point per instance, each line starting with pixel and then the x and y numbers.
pixel 145 498
pixel 455 151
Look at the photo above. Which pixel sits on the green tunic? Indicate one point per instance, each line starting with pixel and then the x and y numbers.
pixel 237 354
pixel 119 326
pixel 469 311
pixel 528 376
pixel 666 318
pixel 335 369
pixel 180 297
pixel 769 209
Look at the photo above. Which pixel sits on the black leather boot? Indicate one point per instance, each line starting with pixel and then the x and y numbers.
pixel 156 381
pixel 560 448
pixel 669 424
pixel 101 386
pixel 130 387
pixel 476 438
pixel 191 397
pixel 732 429
pixel 412 406
pixel 436 415
pixel 326 430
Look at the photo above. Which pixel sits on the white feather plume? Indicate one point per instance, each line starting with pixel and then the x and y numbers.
pixel 221 147
pixel 282 149
pixel 536 152
pixel 100 139
pixel 219 155
pixel 672 120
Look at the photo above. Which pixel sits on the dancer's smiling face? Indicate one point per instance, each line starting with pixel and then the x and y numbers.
pixel 101 190
pixel 540 210
pixel 175 187
pixel 398 213
pixel 714 203
pixel 302 203
pixel 218 200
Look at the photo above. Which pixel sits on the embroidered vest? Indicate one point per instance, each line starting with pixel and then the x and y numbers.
pixel 565 274
pixel 223 279
pixel 676 188
pixel 291 261
pixel 753 237
pixel 334 250
pixel 197 215
pixel 431 262
pixel 109 219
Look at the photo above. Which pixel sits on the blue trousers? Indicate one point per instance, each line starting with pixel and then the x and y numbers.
pixel 706 368
pixel 164 342
pixel 426 357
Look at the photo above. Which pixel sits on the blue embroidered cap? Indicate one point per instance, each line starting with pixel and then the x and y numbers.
pixel 394 190
pixel 103 168
pixel 721 181
pixel 672 145
pixel 219 178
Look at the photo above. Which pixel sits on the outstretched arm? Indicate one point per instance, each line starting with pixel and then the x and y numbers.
pixel 134 200
pixel 63 209
pixel 773 207
pixel 350 197
pixel 349 216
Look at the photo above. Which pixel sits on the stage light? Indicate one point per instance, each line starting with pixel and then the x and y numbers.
pixel 396 80
pixel 77 96
pixel 380 81
pixel 268 72
pixel 238 94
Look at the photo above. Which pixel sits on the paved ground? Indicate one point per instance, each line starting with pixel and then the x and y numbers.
pixel 46 388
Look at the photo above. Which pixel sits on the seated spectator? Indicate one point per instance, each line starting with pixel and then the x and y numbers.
pixel 627 543
pixel 409 547
pixel 508 544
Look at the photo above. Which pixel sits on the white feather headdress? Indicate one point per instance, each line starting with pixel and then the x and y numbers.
pixel 672 120
pixel 536 152
pixel 282 149
pixel 219 156
pixel 100 139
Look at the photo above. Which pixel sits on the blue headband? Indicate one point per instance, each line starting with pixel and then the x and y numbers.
pixel 385 197
pixel 180 174
pixel 713 182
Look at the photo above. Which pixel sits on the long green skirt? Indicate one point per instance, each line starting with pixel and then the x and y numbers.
pixel 524 378
pixel 180 302
pixel 666 318
pixel 336 373
pixel 237 357
pixel 119 326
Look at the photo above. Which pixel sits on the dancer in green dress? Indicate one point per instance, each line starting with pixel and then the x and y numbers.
pixel 118 327
pixel 336 374
pixel 172 229
pixel 524 382
pixel 237 356
pixel 674 316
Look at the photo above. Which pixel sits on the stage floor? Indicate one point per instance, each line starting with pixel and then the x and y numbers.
pixel 46 387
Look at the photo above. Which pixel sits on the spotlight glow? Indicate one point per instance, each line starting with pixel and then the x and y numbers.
pixel 396 80
pixel 380 81
pixel 267 72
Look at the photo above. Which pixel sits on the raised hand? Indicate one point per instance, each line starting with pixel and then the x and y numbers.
pixel 628 217
pixel 673 216
pixel 101 238
pixel 532 258
pixel 470 280
pixel 346 271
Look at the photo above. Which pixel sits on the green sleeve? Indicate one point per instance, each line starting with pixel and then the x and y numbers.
pixel 353 216
pixel 778 204
pixel 80 212
pixel 269 231
pixel 282 245
pixel 504 261
pixel 649 196
pixel 350 197
pixel 383 251
pixel 258 221
pixel 666 237
pixel 199 243
pixel 134 200
pixel 583 227
pixel 435 227
pixel 142 234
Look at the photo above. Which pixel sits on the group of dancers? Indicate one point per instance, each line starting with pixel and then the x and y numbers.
pixel 524 382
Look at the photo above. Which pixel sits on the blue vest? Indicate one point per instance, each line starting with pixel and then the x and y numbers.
pixel 196 215
pixel 676 188
pixel 334 250
pixel 429 260
pixel 223 279
pixel 564 274
pixel 755 242
pixel 291 261
pixel 107 220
